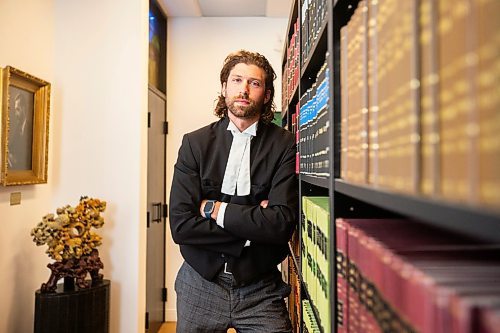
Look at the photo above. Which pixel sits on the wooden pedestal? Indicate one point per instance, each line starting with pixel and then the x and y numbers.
pixel 75 311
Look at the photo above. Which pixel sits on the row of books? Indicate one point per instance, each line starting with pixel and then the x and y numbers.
pixel 313 15
pixel 294 299
pixel 310 323
pixel 291 71
pixel 419 98
pixel 314 126
pixel 403 276
pixel 295 130
pixel 315 267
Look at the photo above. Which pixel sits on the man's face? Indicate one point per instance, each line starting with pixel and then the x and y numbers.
pixel 17 106
pixel 245 91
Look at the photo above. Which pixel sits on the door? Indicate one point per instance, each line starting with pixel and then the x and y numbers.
pixel 155 261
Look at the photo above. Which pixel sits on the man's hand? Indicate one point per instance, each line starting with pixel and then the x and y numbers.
pixel 264 203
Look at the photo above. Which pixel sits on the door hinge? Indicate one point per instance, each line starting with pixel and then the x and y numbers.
pixel 165 127
pixel 147 219
pixel 165 210
pixel 149 119
pixel 164 294
pixel 147 320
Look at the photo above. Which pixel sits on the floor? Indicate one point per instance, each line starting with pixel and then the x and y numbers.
pixel 169 327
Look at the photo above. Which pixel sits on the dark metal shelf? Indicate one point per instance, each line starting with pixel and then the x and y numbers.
pixel 472 221
pixel 321 182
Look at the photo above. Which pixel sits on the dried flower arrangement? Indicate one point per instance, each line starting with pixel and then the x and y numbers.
pixel 71 243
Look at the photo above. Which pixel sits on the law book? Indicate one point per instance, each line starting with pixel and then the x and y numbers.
pixel 435 310
pixel 310 324
pixel 311 252
pixel 349 84
pixel 312 128
pixel 294 299
pixel 327 123
pixel 295 243
pixel 430 154
pixel 304 38
pixel 284 86
pixel 322 299
pixel 354 95
pixel 363 58
pixel 354 279
pixel 307 142
pixel 322 124
pixel 374 250
pixel 487 100
pixel 315 128
pixel 452 274
pixel 303 131
pixel 285 270
pixel 398 93
pixel 341 261
pixel 311 26
pixel 297 138
pixel 372 83
pixel 456 299
pixel 466 310
pixel 312 285
pixel 344 100
pixel 295 64
pixel 304 241
pixel 489 320
pixel 295 56
pixel 456 101
pixel 368 281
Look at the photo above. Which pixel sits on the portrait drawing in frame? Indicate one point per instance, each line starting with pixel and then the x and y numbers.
pixel 25 109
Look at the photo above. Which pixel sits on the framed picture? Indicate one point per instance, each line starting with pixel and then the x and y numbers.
pixel 25 104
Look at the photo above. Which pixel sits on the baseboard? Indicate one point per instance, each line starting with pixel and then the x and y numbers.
pixel 170 315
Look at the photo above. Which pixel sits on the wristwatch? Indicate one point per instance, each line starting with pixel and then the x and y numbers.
pixel 209 208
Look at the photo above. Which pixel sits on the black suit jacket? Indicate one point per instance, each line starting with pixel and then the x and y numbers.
pixel 198 175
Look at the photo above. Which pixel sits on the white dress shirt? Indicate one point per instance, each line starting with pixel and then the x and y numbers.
pixel 237 174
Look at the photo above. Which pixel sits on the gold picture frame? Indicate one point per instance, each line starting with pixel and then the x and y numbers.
pixel 25 110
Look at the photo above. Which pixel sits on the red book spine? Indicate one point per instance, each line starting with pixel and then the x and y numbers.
pixel 342 276
pixel 369 266
pixel 353 275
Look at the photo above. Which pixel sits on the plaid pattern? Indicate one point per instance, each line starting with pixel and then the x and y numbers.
pixel 215 306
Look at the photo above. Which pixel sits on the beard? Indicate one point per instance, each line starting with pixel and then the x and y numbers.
pixel 244 111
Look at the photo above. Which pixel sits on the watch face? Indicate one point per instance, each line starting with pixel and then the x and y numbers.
pixel 209 207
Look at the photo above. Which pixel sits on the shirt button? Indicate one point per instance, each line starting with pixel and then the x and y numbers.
pixel 222 255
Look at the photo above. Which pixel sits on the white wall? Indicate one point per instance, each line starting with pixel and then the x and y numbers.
pixel 27 43
pixel 95 55
pixel 196 50
pixel 101 137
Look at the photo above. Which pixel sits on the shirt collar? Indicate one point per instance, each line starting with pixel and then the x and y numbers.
pixel 251 130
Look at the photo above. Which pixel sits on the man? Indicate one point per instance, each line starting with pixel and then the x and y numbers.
pixel 20 134
pixel 233 208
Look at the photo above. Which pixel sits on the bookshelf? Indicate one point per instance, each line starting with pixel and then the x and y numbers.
pixel 426 194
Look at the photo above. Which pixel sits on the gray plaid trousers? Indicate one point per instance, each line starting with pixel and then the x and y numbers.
pixel 214 306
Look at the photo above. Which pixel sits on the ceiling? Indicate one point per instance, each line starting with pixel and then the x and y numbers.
pixel 226 8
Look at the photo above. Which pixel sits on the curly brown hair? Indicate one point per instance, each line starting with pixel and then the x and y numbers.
pixel 249 58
